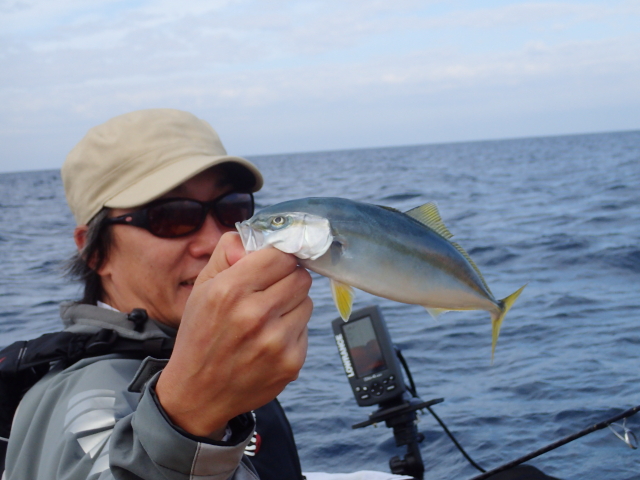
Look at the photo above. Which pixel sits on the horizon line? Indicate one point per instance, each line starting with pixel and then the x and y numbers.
pixel 336 150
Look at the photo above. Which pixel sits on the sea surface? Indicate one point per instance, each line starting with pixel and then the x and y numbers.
pixel 560 214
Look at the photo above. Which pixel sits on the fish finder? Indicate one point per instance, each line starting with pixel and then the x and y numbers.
pixel 369 357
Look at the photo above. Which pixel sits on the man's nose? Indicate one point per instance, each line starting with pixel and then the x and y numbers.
pixel 205 240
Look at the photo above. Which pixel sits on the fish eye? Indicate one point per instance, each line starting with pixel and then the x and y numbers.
pixel 278 221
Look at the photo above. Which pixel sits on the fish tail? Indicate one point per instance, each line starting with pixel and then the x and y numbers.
pixel 496 322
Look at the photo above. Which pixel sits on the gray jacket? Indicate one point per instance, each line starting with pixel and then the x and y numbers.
pixel 83 423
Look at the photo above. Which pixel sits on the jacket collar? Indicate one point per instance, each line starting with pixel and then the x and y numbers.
pixel 83 318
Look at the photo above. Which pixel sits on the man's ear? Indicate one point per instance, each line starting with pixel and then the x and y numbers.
pixel 80 236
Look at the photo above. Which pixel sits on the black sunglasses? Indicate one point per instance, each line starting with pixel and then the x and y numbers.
pixel 177 217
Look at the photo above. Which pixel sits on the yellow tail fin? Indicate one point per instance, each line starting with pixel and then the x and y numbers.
pixel 496 323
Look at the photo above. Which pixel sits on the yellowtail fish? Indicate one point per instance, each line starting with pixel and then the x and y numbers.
pixel 406 257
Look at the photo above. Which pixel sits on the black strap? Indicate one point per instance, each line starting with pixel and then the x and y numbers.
pixel 68 347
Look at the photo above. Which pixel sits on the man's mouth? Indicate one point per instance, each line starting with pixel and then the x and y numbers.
pixel 188 283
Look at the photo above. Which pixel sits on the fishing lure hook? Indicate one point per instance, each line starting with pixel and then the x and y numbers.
pixel 627 436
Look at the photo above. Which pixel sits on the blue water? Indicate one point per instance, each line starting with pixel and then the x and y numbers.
pixel 561 214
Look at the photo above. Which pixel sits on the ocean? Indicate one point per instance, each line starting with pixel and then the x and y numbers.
pixel 560 214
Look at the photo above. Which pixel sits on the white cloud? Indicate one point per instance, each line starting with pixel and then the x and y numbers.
pixel 326 64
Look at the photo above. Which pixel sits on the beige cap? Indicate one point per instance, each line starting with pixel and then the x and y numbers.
pixel 134 158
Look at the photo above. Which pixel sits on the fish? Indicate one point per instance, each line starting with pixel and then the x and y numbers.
pixel 405 257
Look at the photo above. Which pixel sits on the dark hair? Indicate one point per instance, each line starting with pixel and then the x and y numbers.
pixel 84 265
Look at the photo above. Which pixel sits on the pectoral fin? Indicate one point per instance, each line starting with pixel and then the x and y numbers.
pixel 343 298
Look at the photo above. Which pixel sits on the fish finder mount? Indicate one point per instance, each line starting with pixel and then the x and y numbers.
pixel 370 361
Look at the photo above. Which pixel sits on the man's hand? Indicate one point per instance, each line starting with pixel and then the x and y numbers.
pixel 242 339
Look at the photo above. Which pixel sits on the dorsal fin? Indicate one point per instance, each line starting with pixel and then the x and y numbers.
pixel 473 264
pixel 428 215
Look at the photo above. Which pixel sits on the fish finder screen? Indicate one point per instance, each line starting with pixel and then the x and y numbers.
pixel 364 347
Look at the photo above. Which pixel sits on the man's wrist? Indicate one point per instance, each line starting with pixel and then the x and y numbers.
pixel 189 418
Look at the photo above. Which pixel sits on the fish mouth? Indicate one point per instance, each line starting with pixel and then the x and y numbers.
pixel 308 237
pixel 252 239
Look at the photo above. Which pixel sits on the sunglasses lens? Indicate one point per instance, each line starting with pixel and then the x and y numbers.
pixel 235 207
pixel 175 218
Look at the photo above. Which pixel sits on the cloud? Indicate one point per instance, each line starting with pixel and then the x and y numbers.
pixel 259 66
pixel 515 15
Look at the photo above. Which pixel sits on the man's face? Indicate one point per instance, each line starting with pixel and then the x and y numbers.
pixel 157 274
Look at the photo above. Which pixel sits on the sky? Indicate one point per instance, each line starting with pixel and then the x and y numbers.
pixel 278 76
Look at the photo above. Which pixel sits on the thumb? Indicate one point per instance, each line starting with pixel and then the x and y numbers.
pixel 227 252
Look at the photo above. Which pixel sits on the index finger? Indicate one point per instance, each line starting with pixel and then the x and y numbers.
pixel 257 270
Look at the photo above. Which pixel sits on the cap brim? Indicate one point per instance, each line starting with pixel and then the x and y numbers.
pixel 165 179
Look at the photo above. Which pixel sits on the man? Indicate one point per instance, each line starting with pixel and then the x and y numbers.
pixel 155 197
